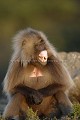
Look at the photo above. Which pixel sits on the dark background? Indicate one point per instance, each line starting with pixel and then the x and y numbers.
pixel 58 19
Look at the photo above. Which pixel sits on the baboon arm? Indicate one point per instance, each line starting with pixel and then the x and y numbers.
pixel 25 90
pixel 46 91
pixel 51 89
pixel 32 95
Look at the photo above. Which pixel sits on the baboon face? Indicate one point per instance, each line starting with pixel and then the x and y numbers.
pixel 35 48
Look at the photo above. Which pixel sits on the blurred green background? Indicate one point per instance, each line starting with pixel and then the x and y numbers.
pixel 58 19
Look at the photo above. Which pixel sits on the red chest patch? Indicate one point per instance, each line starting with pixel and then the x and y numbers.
pixel 36 73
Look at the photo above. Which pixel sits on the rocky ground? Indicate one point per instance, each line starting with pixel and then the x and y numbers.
pixel 3 102
pixel 71 61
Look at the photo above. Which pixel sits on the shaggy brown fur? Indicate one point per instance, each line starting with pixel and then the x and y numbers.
pixel 43 92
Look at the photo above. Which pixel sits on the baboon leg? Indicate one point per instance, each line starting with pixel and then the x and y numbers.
pixel 14 106
pixel 64 105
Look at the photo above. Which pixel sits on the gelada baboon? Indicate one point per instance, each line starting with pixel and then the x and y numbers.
pixel 36 78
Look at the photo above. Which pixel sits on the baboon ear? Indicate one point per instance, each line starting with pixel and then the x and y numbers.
pixel 23 42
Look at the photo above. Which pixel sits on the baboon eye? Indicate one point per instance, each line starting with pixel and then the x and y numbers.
pixel 40 47
pixel 41 40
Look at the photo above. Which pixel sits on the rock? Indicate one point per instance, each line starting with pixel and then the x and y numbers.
pixel 72 62
pixel 3 102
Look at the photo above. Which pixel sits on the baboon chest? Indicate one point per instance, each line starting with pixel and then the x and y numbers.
pixel 37 78
pixel 36 72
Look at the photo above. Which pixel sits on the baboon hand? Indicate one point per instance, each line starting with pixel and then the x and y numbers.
pixel 35 98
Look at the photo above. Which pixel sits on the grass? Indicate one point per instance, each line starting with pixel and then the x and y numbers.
pixel 75 115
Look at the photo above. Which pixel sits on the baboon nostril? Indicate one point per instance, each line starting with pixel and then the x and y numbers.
pixel 45 58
